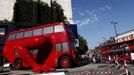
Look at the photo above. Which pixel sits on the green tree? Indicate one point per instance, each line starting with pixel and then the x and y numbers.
pixel 37 12
pixel 82 45
pixel 23 11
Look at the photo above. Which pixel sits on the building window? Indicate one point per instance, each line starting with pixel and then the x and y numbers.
pixel 58 28
pixel 11 37
pixel 28 34
pixel 58 47
pixel 37 32
pixel 48 30
pixel 19 35
pixel 65 46
pixel 2 31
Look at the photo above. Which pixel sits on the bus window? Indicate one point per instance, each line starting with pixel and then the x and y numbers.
pixel 11 37
pixel 65 46
pixel 19 35
pixel 58 47
pixel 35 51
pixel 48 30
pixel 58 28
pixel 37 32
pixel 28 34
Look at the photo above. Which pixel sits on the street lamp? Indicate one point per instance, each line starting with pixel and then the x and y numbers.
pixel 114 23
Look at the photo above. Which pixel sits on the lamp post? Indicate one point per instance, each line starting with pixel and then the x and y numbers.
pixel 114 23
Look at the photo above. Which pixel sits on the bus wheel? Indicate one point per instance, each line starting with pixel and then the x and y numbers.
pixel 18 64
pixel 65 62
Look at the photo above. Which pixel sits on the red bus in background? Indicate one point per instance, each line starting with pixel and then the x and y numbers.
pixel 51 44
pixel 121 50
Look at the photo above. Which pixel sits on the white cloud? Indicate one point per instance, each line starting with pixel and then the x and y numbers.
pixel 90 13
pixel 90 16
pixel 77 22
pixel 108 7
pixel 104 8
pixel 82 14
pixel 74 9
pixel 87 21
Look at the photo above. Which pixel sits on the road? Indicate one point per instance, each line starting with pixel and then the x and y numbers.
pixel 67 71
pixel 131 69
pixel 90 69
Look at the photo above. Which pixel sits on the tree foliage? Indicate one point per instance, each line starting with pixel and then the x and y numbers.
pixel 37 12
pixel 82 45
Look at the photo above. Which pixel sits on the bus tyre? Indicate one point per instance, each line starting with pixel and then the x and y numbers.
pixel 65 62
pixel 18 64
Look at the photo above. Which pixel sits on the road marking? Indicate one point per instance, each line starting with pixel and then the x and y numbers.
pixel 59 73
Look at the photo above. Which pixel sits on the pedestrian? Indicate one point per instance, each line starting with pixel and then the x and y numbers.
pixel 116 61
pixel 109 59
pixel 94 59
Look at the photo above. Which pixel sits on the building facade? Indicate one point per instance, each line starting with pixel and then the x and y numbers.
pixel 6 8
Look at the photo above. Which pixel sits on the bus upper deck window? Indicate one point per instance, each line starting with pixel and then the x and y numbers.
pixel 58 28
pixel 11 37
pixel 37 32
pixel 48 30
pixel 28 34
pixel 19 35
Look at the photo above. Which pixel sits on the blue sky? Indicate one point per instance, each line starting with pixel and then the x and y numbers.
pixel 94 16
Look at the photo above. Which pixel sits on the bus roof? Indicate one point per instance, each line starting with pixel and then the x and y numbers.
pixel 118 42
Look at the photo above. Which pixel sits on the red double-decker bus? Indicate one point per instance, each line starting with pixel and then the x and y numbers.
pixel 120 50
pixel 51 44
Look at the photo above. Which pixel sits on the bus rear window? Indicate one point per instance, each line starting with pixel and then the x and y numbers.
pixel 11 37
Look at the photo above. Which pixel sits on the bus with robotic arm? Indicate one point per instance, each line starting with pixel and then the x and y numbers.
pixel 43 47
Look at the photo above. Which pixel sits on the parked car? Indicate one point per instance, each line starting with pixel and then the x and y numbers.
pixel 4 65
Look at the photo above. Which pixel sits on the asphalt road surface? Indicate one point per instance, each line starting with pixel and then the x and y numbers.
pixel 90 69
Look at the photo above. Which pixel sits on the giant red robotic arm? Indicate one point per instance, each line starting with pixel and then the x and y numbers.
pixel 22 47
